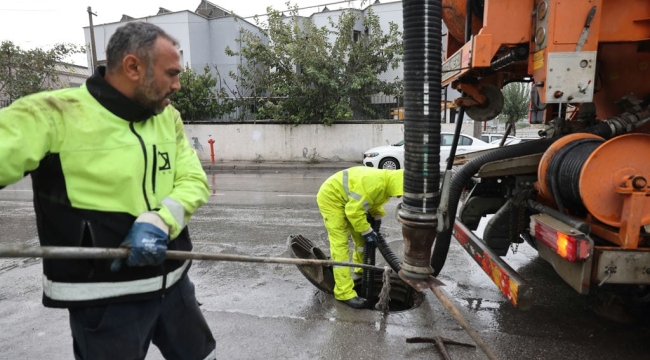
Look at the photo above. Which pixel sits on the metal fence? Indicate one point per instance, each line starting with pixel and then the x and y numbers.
pixel 376 107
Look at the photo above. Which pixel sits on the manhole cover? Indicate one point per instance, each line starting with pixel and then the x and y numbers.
pixel 320 276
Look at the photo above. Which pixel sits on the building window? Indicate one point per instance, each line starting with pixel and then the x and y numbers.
pixel 356 35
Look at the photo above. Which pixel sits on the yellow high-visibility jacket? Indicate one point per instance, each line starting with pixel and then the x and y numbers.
pixel 93 172
pixel 359 190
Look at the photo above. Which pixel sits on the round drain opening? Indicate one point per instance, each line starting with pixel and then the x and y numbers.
pixel 402 296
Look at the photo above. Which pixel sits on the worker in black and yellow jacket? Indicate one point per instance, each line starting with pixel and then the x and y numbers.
pixel 111 166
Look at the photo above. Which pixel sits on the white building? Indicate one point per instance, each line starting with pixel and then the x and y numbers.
pixel 67 75
pixel 70 75
pixel 205 33
pixel 203 36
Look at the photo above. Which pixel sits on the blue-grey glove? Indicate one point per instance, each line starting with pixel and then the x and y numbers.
pixel 370 238
pixel 146 241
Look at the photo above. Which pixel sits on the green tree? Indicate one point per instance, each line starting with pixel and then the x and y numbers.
pixel 199 97
pixel 299 72
pixel 516 102
pixel 24 72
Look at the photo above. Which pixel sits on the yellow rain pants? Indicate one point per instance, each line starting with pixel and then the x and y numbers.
pixel 343 200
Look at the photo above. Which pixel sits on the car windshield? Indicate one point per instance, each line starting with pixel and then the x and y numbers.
pixel 401 143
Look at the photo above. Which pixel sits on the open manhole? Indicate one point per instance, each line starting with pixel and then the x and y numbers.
pixel 402 296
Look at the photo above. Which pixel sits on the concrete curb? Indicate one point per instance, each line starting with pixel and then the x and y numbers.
pixel 262 166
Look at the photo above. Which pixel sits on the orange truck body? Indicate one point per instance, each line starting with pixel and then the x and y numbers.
pixel 579 52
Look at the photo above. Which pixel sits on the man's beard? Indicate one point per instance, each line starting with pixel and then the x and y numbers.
pixel 147 95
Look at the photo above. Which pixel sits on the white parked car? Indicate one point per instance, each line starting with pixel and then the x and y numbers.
pixel 513 141
pixel 392 156
pixel 490 138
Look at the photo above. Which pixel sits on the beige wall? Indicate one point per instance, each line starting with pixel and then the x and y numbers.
pixel 303 143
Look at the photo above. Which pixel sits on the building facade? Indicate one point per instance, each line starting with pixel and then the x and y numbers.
pixel 68 75
pixel 204 35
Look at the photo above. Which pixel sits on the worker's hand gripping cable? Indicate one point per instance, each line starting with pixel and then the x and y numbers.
pixel 374 221
pixel 146 241
pixel 376 224
pixel 370 238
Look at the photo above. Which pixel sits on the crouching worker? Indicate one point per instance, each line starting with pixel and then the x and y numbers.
pixel 111 166
pixel 343 200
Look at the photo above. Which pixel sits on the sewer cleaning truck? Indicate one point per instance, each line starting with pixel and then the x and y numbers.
pixel 580 195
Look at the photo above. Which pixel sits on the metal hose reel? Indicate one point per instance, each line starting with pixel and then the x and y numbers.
pixel 585 171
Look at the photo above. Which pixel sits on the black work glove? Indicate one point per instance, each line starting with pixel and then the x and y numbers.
pixel 376 225
pixel 370 238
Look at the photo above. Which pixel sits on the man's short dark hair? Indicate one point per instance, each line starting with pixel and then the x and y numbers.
pixel 137 38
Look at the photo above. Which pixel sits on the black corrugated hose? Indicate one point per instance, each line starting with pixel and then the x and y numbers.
pixel 422 21
pixel 369 257
pixel 382 245
pixel 388 254
pixel 368 277
pixel 462 177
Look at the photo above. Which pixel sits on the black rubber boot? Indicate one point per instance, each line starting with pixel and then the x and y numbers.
pixel 356 303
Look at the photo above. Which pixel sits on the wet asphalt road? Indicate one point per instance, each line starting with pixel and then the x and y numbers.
pixel 268 311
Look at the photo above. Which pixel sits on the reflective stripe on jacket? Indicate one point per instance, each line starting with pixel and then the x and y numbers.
pixel 362 189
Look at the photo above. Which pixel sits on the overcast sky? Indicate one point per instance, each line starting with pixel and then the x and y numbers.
pixel 42 23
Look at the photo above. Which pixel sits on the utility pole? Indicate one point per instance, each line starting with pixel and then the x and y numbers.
pixel 92 38
pixel 477 129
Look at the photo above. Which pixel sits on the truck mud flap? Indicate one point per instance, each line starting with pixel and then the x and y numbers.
pixel 511 284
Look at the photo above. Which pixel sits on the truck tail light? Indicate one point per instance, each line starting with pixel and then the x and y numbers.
pixel 572 247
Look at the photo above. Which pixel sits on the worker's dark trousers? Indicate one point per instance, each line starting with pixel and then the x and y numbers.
pixel 174 324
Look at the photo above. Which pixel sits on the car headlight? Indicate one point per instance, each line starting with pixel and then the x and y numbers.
pixel 369 155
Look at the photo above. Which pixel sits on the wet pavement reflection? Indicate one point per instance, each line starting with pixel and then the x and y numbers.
pixel 270 311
